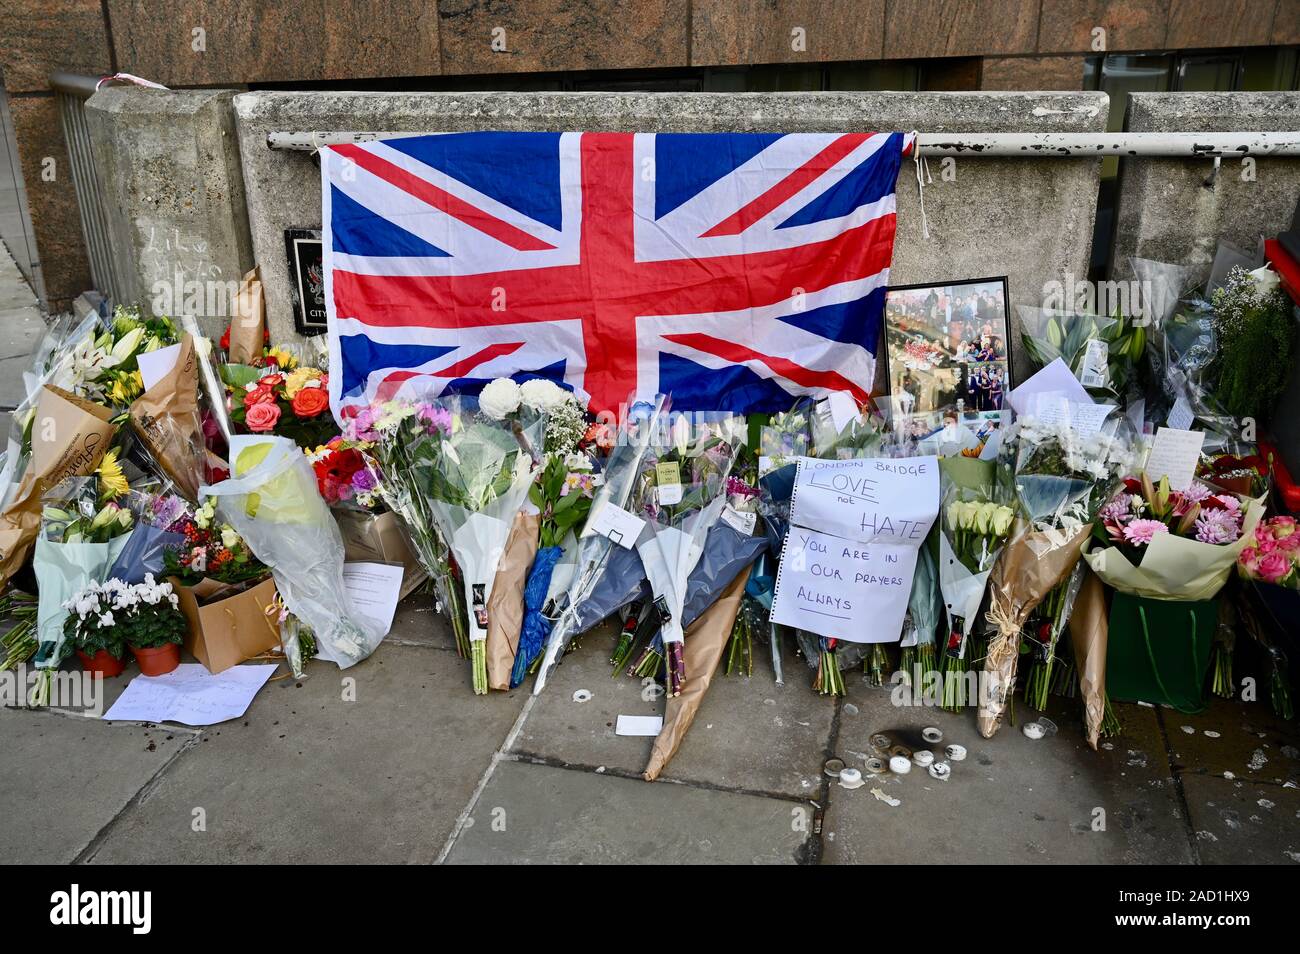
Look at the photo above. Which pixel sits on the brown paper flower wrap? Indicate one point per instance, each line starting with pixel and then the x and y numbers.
pixel 167 419
pixel 704 643
pixel 69 436
pixel 506 604
pixel 1028 568
pixel 247 321
pixel 1089 630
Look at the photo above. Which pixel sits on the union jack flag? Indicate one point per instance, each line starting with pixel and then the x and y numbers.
pixel 732 270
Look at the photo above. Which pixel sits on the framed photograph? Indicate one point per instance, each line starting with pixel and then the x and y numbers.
pixel 307 280
pixel 948 361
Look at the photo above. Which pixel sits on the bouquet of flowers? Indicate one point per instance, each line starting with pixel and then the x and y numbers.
pixel 1255 328
pixel 679 494
pixel 477 474
pixel 1271 562
pixel 1104 353
pixel 104 368
pixel 346 475
pixel 293 404
pixel 973 527
pixel 272 503
pixel 562 494
pixel 1167 544
pixel 404 438
pixel 1062 478
pixel 208 548
pixel 621 472
pixel 1273 556
pixel 77 545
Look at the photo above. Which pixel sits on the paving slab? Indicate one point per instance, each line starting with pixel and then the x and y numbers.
pixel 417 623
pixel 66 777
pixel 1244 740
pixel 530 813
pixel 1012 800
pixel 307 777
pixel 749 733
pixel 1242 822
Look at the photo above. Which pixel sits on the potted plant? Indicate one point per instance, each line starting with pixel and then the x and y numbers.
pixel 105 618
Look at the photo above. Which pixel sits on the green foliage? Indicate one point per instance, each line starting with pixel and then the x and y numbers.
pixel 1256 339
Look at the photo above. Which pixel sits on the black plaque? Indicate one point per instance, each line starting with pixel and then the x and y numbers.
pixel 307 274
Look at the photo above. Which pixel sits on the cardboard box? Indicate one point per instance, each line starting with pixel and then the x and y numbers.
pixel 224 630
pixel 380 538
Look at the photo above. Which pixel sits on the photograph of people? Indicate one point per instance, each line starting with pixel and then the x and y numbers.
pixel 947 347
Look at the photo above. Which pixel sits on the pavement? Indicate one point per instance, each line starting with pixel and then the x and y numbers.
pixel 396 761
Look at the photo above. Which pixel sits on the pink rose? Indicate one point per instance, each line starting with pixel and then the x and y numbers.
pixel 1249 558
pixel 1273 567
pixel 1289 544
pixel 1267 545
pixel 262 417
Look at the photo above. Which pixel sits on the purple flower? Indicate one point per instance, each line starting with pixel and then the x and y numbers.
pixel 363 480
pixel 435 418
pixel 1217 526
pixel 362 427
pixel 1119 509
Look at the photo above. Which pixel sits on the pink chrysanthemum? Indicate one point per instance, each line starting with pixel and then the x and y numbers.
pixel 1141 532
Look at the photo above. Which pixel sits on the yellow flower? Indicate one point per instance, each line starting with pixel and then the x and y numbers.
pixel 283 358
pixel 112 482
pixel 295 380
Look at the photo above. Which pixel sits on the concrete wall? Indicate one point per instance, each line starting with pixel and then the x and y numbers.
pixel 1171 211
pixel 1028 219
pixel 171 177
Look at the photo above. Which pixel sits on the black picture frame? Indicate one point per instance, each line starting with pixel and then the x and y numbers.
pixel 306 254
pixel 947 365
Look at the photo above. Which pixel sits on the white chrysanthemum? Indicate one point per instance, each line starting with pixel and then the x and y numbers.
pixel 500 397
pixel 542 394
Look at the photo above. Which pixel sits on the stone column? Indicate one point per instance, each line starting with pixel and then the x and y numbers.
pixel 170 173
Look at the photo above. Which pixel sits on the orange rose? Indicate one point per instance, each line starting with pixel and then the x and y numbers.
pixel 310 402
pixel 258 395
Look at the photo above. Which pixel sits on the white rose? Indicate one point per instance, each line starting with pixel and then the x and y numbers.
pixel 542 394
pixel 499 398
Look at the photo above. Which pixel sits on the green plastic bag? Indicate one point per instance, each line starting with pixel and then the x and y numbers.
pixel 1159 650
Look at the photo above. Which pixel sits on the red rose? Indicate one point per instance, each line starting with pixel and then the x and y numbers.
pixel 262 417
pixel 259 395
pixel 225 339
pixel 310 402
pixel 271 381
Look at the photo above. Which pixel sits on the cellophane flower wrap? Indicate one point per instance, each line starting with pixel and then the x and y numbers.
pixel 562 494
pixel 680 495
pixel 476 475
pixel 1164 544
pixel 621 470
pixel 1062 478
pixel 79 541
pixel 403 437
pixel 273 504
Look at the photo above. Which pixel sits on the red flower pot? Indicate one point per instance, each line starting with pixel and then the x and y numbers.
pixel 159 661
pixel 103 662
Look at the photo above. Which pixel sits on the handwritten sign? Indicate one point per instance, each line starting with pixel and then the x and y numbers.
pixel 843 588
pixel 1175 454
pixel 889 500
pixel 856 525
